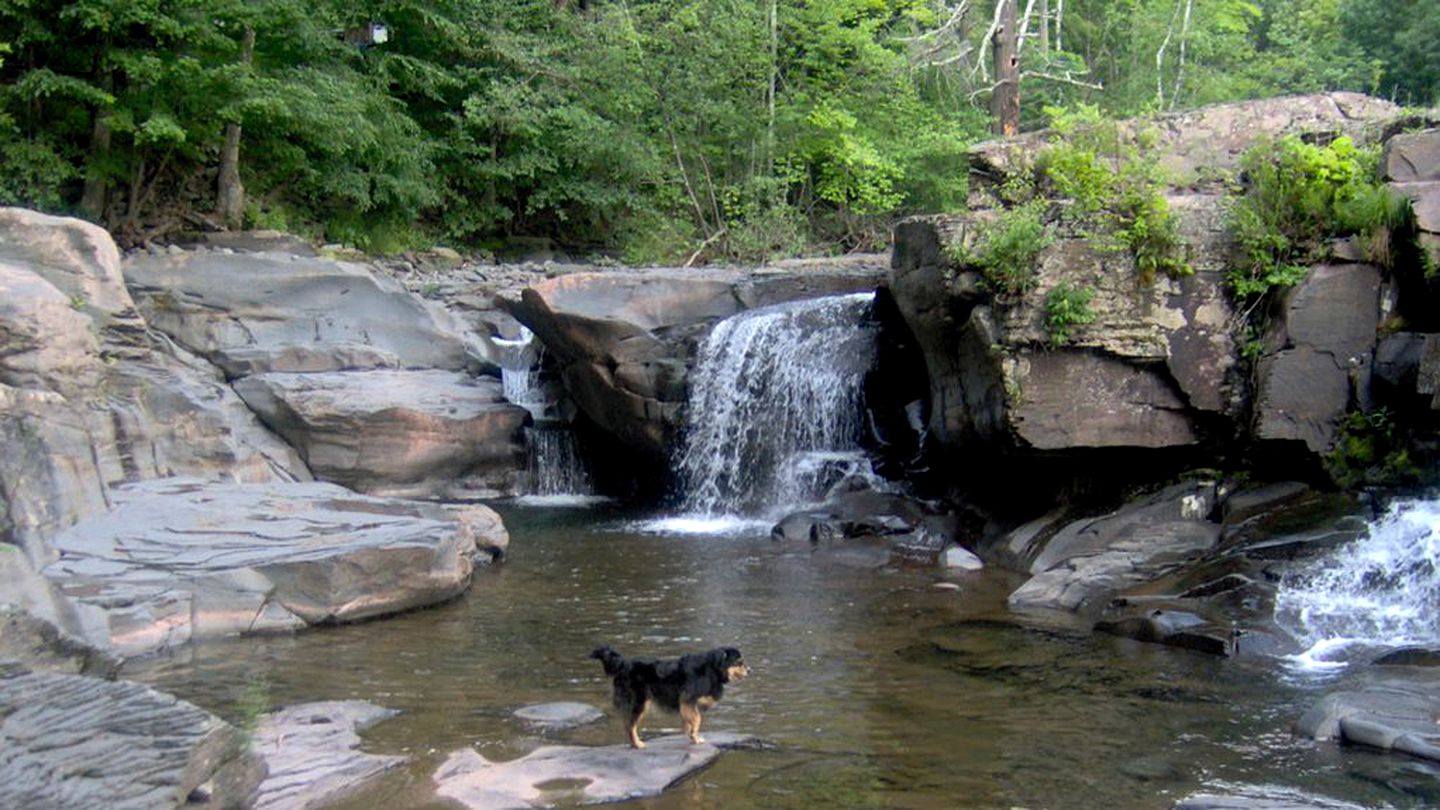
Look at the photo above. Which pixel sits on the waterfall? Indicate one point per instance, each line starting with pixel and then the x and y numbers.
pixel 776 409
pixel 555 468
pixel 1380 591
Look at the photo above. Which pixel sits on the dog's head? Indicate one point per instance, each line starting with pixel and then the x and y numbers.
pixel 610 658
pixel 732 664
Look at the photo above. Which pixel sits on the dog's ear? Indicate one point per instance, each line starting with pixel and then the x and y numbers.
pixel 732 655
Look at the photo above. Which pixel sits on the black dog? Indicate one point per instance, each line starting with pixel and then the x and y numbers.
pixel 689 685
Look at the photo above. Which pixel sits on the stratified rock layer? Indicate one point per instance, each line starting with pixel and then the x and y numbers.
pixel 176 559
pixel 71 741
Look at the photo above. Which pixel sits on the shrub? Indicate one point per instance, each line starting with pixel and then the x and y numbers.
pixel 1298 196
pixel 1008 249
pixel 1114 191
pixel 1066 306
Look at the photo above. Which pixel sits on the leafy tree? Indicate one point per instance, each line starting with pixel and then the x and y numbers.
pixel 1400 36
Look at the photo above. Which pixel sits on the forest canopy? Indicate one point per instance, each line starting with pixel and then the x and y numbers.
pixel 655 130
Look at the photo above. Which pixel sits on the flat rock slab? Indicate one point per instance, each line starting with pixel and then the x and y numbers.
pixel 559 715
pixel 73 741
pixel 176 559
pixel 576 774
pixel 310 751
pixel 1393 716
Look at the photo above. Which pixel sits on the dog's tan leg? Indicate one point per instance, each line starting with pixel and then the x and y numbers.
pixel 632 727
pixel 690 719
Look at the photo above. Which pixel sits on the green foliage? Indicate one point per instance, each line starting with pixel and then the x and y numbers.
pixel 1114 192
pixel 1008 248
pixel 1398 37
pixel 656 127
pixel 1370 451
pixel 1065 307
pixel 1298 196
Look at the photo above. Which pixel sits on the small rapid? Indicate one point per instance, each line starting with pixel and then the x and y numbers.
pixel 556 473
pixel 1376 593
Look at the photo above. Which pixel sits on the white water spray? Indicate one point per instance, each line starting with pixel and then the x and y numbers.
pixel 1378 592
pixel 556 470
pixel 776 407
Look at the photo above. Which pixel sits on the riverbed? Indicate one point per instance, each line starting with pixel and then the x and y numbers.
pixel 874 685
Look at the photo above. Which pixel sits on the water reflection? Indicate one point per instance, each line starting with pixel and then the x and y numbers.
pixel 871 688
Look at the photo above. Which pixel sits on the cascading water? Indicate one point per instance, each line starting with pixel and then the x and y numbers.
pixel 776 408
pixel 1378 592
pixel 555 467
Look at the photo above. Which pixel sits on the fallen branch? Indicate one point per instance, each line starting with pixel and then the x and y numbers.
pixel 708 241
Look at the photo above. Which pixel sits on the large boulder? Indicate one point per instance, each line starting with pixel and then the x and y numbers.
pixel 1323 351
pixel 294 313
pixel 1156 363
pixel 79 260
pixel 396 432
pixel 180 559
pixel 89 399
pixel 1157 373
pixel 74 741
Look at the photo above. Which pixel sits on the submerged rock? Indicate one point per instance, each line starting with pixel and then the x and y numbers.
pixel 72 741
pixel 177 559
pixel 575 774
pixel 311 753
pixel 559 715
pixel 1393 715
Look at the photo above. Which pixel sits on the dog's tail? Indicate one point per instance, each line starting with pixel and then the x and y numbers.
pixel 610 658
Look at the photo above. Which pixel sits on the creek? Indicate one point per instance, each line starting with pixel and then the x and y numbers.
pixel 875 684
pixel 871 687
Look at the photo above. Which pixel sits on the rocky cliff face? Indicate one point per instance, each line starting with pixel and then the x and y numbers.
pixel 1158 374
pixel 120 426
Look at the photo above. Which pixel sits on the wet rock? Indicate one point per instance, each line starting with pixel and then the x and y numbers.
pixel 1410 657
pixel 1288 519
pixel 576 775
pixel 961 558
pixel 73 741
pixel 1393 715
pixel 911 530
pixel 401 433
pixel 1091 559
pixel 559 715
pixel 1264 797
pixel 310 751
pixel 177 559
pixel 1174 629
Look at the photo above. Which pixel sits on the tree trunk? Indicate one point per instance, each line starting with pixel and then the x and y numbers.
pixel 230 192
pixel 1045 29
pixel 1005 100
pixel 92 200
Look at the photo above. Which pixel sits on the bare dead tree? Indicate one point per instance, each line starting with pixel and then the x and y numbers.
pixel 1005 101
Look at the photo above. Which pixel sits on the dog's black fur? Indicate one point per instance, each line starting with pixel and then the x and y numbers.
pixel 689 685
